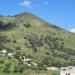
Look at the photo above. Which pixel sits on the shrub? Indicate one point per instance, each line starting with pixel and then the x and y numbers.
pixel 7 68
pixel 14 41
pixel 18 48
pixel 17 55
pixel 28 25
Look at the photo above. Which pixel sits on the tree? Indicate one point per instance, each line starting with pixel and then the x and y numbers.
pixel 14 41
pixel 45 61
pixel 7 67
pixel 19 68
pixel 28 25
pixel 17 55
pixel 3 40
pixel 35 41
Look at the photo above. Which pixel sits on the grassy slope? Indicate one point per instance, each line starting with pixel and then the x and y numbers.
pixel 40 28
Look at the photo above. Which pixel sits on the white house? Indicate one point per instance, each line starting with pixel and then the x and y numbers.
pixel 33 63
pixel 25 60
pixel 10 54
pixel 3 52
pixel 67 71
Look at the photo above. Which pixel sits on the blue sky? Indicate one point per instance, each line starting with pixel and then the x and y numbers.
pixel 59 12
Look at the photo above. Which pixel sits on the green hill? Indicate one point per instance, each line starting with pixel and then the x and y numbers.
pixel 44 43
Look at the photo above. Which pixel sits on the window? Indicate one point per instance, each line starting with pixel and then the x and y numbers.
pixel 67 74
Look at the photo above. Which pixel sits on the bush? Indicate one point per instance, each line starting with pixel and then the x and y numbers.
pixel 7 67
pixel 20 68
pixel 7 26
pixel 17 55
pixel 18 48
pixel 35 41
pixel 3 39
pixel 8 40
pixel 54 42
pixel 55 73
pixel 27 25
pixel 14 41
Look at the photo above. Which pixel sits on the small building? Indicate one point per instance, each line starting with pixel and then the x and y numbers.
pixel 10 54
pixel 67 71
pixel 3 52
pixel 34 64
pixel 25 60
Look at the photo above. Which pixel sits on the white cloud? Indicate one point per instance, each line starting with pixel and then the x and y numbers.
pixel 72 30
pixel 26 3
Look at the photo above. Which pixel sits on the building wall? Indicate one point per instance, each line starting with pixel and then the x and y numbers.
pixel 66 73
pixel 67 70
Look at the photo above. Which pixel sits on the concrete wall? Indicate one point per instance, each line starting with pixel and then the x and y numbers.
pixel 64 73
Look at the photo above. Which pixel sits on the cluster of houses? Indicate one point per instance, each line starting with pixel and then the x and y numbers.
pixel 70 70
pixel 5 52
pixel 25 60
pixel 67 70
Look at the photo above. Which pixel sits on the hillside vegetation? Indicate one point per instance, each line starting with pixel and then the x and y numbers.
pixel 44 43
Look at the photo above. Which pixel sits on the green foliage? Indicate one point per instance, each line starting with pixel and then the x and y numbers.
pixel 19 68
pixel 44 43
pixel 17 55
pixel 55 73
pixel 46 61
pixel 7 67
pixel 27 25
pixel 54 42
pixel 35 41
pixel 14 41
pixel 18 48
pixel 3 39
pixel 4 26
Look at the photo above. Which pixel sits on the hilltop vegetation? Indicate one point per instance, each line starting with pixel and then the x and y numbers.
pixel 44 43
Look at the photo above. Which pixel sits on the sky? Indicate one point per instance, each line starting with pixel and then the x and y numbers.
pixel 58 12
